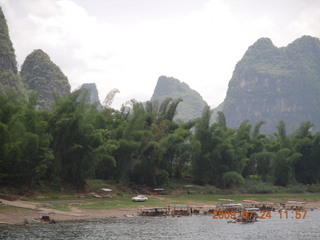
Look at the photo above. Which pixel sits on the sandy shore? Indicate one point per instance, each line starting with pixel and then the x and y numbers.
pixel 33 216
pixel 32 212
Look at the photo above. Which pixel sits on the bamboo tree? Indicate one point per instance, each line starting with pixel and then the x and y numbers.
pixel 201 160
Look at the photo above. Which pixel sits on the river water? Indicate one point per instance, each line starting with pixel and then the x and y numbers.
pixel 189 227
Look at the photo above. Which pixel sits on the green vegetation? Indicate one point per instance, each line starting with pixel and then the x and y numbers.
pixel 59 143
pixel 141 145
pixel 178 199
pixel 7 208
pixel 61 207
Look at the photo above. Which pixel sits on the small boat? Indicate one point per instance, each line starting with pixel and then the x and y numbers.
pixel 248 215
pixel 181 210
pixel 153 211
pixel 295 205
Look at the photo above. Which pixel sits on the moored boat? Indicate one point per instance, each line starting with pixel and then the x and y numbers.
pixel 153 211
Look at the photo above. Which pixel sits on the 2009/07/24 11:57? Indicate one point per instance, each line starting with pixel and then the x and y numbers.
pixel 299 214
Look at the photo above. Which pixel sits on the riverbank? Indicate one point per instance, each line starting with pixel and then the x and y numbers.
pixel 18 216
pixel 22 211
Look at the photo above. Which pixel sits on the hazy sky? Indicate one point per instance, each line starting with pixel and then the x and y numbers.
pixel 128 44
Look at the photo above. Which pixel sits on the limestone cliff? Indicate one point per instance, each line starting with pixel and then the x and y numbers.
pixel 274 84
pixel 9 78
pixel 40 74
pixel 192 105
pixel 94 95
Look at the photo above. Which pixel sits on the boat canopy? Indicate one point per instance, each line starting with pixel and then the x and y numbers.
pixel 153 208
pixel 269 203
pixel 181 206
pixel 252 209
pixel 228 200
pixel 251 201
pixel 230 205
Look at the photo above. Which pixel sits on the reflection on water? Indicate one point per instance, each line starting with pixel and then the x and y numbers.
pixel 193 227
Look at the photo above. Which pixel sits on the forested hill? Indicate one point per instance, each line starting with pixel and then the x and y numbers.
pixel 192 103
pixel 274 84
pixel 40 74
pixel 9 78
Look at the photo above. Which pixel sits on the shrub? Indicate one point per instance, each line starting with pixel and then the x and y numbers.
pixel 232 179
pixel 260 187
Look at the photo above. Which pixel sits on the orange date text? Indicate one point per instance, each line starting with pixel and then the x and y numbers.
pixel 262 214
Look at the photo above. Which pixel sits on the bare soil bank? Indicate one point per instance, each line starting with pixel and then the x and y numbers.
pixel 31 212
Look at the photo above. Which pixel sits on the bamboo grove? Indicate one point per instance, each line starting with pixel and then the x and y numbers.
pixel 141 144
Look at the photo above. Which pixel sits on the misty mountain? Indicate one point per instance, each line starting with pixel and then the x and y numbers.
pixel 94 95
pixel 40 74
pixel 9 78
pixel 274 84
pixel 192 103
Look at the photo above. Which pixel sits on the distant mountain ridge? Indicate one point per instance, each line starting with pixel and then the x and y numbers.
pixel 274 84
pixel 268 83
pixel 192 103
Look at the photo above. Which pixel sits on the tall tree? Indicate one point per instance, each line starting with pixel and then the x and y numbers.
pixel 202 154
pixel 77 146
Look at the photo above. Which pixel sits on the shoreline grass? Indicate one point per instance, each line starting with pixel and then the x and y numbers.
pixel 183 199
pixel 178 194
pixel 8 208
pixel 124 201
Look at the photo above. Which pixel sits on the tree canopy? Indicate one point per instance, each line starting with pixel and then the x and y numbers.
pixel 141 144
